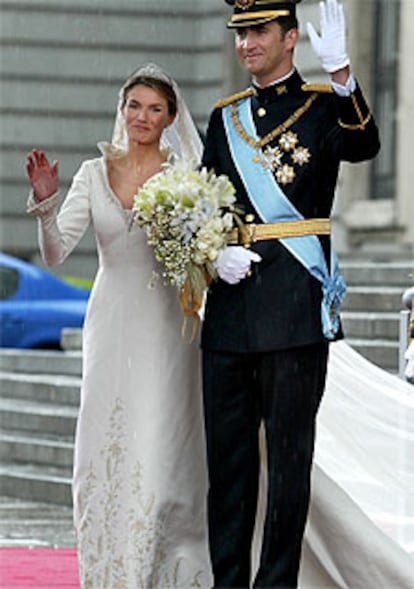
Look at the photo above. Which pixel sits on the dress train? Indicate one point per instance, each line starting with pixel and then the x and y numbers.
pixel 360 531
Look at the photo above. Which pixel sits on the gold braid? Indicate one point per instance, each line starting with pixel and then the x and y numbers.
pixel 258 144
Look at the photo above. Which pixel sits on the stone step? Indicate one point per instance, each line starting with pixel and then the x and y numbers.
pixel 47 418
pixel 35 524
pixel 71 338
pixel 360 273
pixel 48 388
pixel 20 448
pixel 360 324
pixel 386 299
pixel 41 361
pixel 383 353
pixel 36 483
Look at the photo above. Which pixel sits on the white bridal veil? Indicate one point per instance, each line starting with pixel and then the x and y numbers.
pixel 181 137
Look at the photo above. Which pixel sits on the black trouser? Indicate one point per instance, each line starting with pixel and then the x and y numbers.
pixel 283 389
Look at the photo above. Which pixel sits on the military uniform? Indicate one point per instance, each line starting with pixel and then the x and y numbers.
pixel 279 305
pixel 264 349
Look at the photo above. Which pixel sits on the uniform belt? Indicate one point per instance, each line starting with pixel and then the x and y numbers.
pixel 250 232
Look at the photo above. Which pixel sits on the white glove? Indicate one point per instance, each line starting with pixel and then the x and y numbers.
pixel 330 46
pixel 233 263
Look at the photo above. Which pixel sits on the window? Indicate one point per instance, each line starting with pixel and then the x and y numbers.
pixel 9 282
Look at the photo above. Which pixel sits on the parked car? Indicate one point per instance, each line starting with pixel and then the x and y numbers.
pixel 35 305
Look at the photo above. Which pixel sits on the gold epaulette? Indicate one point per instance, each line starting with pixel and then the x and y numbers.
pixel 317 88
pixel 233 98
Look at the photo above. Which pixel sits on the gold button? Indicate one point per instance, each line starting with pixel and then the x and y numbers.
pixel 248 273
pixel 261 112
pixel 249 218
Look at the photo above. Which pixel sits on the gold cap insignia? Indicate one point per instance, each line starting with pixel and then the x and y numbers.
pixel 244 4
pixel 250 13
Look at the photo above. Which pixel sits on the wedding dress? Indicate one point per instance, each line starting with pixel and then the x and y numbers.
pixel 139 484
pixel 139 477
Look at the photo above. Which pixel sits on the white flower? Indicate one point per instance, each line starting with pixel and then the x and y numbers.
pixel 189 216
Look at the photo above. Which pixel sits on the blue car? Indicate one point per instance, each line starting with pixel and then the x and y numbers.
pixel 35 305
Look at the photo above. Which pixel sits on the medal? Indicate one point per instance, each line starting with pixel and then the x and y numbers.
pixel 288 141
pixel 274 158
pixel 301 155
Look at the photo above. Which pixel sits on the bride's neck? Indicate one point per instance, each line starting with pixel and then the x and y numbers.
pixel 143 155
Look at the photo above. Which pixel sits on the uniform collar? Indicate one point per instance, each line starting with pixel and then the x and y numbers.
pixel 288 85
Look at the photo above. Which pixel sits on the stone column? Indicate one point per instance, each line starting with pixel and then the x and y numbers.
pixel 405 126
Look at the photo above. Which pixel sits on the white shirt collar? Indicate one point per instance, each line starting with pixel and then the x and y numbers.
pixel 278 81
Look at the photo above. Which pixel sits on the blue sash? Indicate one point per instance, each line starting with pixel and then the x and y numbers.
pixel 273 206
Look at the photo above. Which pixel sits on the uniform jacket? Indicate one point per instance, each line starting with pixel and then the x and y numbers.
pixel 278 306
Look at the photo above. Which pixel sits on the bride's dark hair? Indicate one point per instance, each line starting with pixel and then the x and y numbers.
pixel 160 86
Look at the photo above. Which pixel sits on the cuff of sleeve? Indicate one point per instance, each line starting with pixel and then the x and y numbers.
pixel 354 113
pixel 37 207
pixel 346 90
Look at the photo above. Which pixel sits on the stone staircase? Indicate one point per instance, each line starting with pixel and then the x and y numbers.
pixel 372 306
pixel 38 409
pixel 40 389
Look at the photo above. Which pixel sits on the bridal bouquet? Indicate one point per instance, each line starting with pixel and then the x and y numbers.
pixel 189 216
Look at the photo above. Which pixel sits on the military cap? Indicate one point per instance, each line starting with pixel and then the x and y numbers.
pixel 249 13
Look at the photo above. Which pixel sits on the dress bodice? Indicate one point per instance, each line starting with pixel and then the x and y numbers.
pixel 119 240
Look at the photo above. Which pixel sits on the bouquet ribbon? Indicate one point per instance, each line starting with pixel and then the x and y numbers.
pixel 191 301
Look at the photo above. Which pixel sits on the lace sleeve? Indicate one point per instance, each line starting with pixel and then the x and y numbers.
pixel 41 207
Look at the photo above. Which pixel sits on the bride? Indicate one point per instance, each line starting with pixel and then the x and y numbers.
pixel 139 482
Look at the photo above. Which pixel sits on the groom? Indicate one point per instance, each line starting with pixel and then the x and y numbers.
pixel 269 318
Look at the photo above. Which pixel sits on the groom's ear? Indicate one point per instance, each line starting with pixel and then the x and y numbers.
pixel 292 37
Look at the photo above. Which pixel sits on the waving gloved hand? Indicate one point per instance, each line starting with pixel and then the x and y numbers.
pixel 330 45
pixel 233 263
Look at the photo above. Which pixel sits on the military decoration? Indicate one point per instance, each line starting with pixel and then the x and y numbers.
pixel 272 158
pixel 288 141
pixel 281 90
pixel 285 174
pixel 301 156
pixel 288 153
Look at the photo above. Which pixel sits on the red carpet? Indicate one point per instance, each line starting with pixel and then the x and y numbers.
pixel 38 568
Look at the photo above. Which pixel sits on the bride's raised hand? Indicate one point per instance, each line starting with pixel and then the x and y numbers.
pixel 43 177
